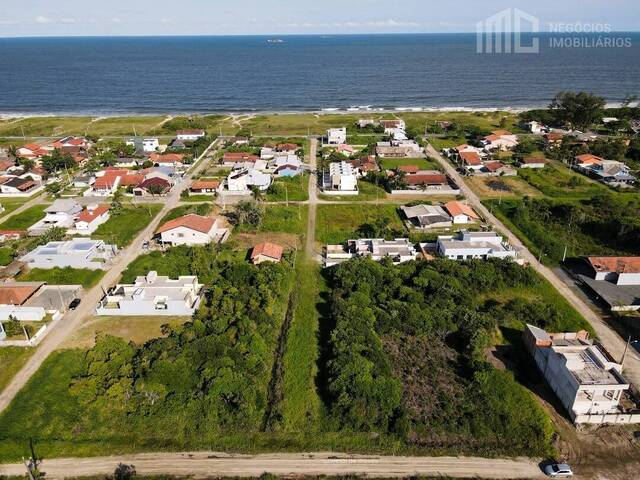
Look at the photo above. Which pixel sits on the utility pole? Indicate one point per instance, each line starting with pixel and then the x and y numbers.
pixel 564 255
pixel 540 257
pixel 626 348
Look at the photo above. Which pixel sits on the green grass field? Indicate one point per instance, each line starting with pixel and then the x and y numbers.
pixel 122 228
pixel 24 219
pixel 338 223
pixel 367 191
pixel 198 208
pixel 10 204
pixel 6 255
pixel 285 219
pixel 63 276
pixel 558 181
pixel 12 359
pixel 421 163
pixel 294 189
pixel 125 126
pixel 301 406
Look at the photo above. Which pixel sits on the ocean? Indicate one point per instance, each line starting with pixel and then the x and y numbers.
pixel 145 75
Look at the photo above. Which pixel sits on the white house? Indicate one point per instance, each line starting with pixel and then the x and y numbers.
pixel 153 295
pixel 191 229
pixel 340 178
pixel 399 250
pixel 536 128
pixel 469 245
pixel 60 214
pixel 90 219
pixel 337 136
pixel 582 374
pixel 75 253
pixel 243 179
pixel 532 162
pixel 146 145
pixel 461 213
pixel 190 135
pixel 501 140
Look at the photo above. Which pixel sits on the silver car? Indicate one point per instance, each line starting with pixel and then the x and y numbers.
pixel 558 470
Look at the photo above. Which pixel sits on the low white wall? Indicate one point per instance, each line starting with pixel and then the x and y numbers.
pixel 450 191
pixel 612 418
pixel 26 314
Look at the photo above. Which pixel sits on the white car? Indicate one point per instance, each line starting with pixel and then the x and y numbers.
pixel 558 470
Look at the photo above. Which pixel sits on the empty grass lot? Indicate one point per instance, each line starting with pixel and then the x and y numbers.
pixel 12 359
pixel 135 329
pixel 63 276
pixel 293 189
pixel 421 163
pixel 203 209
pixel 123 227
pixel 501 187
pixel 338 223
pixel 285 219
pixel 558 181
pixel 367 191
pixel 301 405
pixel 25 219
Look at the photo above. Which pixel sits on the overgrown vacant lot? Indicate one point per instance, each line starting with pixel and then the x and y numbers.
pixel 124 225
pixel 603 225
pixel 408 349
pixel 421 163
pixel 501 187
pixel 24 219
pixel 339 223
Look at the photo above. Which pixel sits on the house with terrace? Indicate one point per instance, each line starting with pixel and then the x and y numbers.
pixel 399 250
pixel 60 214
pixel 153 295
pixel 78 253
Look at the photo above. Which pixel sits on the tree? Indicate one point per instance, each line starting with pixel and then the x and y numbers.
pixel 156 189
pixel 124 472
pixel 256 193
pixel 26 163
pixel 577 110
pixel 12 151
pixel 54 188
pixel 246 214
pixel 116 202
pixel 56 161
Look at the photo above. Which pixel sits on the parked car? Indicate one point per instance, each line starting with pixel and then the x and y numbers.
pixel 74 304
pixel 558 470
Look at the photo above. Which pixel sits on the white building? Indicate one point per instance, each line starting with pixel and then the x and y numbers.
pixel 241 180
pixel 500 140
pixel 583 375
pixel 399 250
pixel 468 245
pixel 60 214
pixel 536 128
pixel 340 178
pixel 146 145
pixel 337 136
pixel 190 135
pixel 75 253
pixel 153 295
pixel 191 229
pixel 90 219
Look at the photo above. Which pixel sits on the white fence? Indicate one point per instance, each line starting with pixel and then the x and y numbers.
pixel 36 339
pixel 609 418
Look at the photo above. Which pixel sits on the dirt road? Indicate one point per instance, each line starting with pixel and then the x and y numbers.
pixel 607 335
pixel 211 464
pixel 73 319
pixel 313 200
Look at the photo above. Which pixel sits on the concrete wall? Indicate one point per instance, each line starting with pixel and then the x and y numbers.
pixel 25 314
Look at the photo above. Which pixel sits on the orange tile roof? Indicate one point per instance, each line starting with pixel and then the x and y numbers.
pixel 530 160
pixel 494 166
pixel 191 221
pixel 409 168
pixel 267 249
pixel 470 158
pixel 205 184
pixel 239 156
pixel 281 147
pixel 615 264
pixel 457 208
pixel 426 179
pixel 18 293
pixel 588 158
pixel 89 215
pixel 501 132
pixel 166 157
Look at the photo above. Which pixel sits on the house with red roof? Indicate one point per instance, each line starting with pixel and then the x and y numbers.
pixel 90 219
pixel 461 213
pixel 33 151
pixel 266 252
pixel 175 159
pixel 364 165
pixel 532 162
pixel 192 229
pixel 470 160
pixel 152 185
pixel 75 142
pixel 496 168
pixel 205 187
pixel 500 140
pixel 108 181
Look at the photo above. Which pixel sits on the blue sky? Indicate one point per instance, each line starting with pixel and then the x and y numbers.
pixel 225 17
